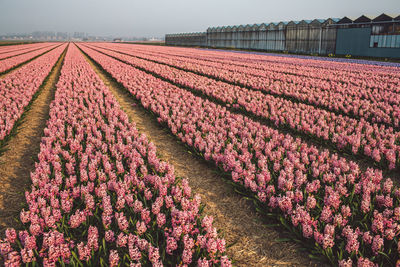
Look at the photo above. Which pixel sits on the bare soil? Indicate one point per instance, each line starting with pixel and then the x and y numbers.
pixel 251 242
pixel 18 161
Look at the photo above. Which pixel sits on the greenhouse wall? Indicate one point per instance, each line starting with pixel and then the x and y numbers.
pixel 378 37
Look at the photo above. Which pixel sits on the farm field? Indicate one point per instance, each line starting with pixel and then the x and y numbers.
pixel 136 155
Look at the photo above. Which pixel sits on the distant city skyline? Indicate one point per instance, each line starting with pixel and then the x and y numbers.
pixel 68 36
pixel 154 18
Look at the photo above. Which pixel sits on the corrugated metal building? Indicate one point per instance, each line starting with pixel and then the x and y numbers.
pixel 275 37
pixel 378 37
pixel 257 36
pixel 291 36
pixel 364 36
pixel 187 39
pixel 328 41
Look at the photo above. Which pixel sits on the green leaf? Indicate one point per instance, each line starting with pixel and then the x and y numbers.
pixel 232 244
pixel 104 244
pixel 102 262
pixel 384 254
pixel 283 240
pixel 272 225
pixel 76 258
pixel 314 257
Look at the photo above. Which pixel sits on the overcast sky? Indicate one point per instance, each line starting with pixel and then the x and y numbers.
pixel 157 17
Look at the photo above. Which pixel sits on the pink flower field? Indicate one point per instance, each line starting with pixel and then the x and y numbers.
pixel 314 145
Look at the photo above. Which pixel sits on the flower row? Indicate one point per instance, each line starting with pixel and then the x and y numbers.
pixel 18 88
pixel 375 105
pixel 350 214
pixel 380 144
pixel 20 47
pixel 99 193
pixel 11 62
pixel 342 72
pixel 23 50
pixel 366 88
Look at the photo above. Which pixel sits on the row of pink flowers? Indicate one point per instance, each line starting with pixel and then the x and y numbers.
pixel 18 88
pixel 343 72
pixel 21 47
pixel 379 143
pixel 23 50
pixel 11 62
pixel 376 105
pixel 353 215
pixel 99 193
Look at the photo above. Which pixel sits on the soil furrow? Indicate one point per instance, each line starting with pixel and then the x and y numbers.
pixel 252 242
pixel 18 161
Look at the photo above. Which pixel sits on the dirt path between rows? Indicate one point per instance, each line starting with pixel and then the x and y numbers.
pixel 253 243
pixel 18 161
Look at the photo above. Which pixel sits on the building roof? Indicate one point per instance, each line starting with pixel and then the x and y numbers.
pixel 362 19
pixel 304 22
pixel 345 20
pixel 317 21
pixel 382 17
pixel 292 23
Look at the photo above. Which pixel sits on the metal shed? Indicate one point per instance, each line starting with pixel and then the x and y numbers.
pixel 362 36
pixel 363 20
pixel 227 36
pixel 345 20
pixel 291 36
pixel 314 36
pixel 187 39
pixel 302 38
pixel 281 36
pixel 328 40
pixel 246 36
pixel 235 36
pixel 262 33
pixel 223 37
pixel 211 37
pixel 254 36
pixel 271 37
pixel 379 37
pixel 385 32
pixel 240 37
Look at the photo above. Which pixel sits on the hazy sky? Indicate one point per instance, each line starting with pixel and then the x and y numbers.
pixel 157 17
